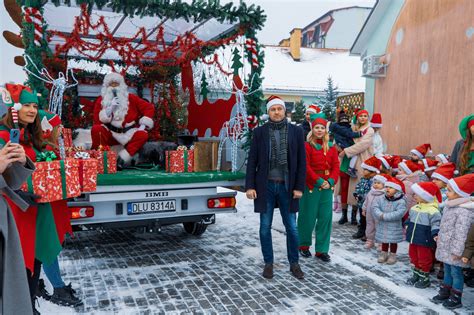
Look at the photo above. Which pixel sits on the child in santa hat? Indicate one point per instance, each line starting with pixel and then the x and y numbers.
pixel 386 163
pixel 370 167
pixel 428 166
pixel 420 152
pixel 376 123
pixel 458 216
pixel 442 158
pixel 377 191
pixel 410 173
pixel 389 211
pixel 422 228
pixel 441 177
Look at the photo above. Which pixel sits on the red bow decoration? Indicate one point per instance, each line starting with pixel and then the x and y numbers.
pixel 15 91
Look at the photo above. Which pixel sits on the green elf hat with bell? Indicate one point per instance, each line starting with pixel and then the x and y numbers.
pixel 466 123
pixel 318 118
pixel 19 95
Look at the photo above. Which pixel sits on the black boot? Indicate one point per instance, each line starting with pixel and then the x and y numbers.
pixel 65 296
pixel 443 294
pixel 454 300
pixel 414 278
pixel 361 230
pixel 305 253
pixel 354 215
pixel 424 280
pixel 41 290
pixel 343 218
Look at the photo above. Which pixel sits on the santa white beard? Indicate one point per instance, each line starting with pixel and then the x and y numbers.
pixel 120 110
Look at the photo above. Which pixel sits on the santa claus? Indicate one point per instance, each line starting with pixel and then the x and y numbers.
pixel 121 118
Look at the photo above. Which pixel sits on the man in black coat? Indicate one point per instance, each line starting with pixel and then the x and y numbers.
pixel 276 170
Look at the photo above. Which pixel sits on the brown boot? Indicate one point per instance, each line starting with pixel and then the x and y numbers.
pixel 296 271
pixel 268 271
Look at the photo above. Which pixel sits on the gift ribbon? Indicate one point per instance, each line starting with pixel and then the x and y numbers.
pixel 82 155
pixel 186 161
pixel 46 156
pixel 63 178
pixel 105 161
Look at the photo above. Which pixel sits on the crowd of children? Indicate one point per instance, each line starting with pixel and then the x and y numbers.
pixel 422 202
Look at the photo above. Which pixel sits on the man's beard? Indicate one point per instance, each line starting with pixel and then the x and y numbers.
pixel 122 95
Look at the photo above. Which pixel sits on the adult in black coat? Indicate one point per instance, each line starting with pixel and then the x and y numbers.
pixel 273 176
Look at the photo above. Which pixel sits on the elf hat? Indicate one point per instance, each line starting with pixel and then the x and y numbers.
pixel 362 111
pixel 395 183
pixel 20 95
pixel 429 165
pixel 409 167
pixel 445 172
pixel 463 185
pixel 376 121
pixel 318 119
pixel 395 161
pixel 382 178
pixel 427 191
pixel 465 124
pixel 313 109
pixel 48 120
pixel 372 164
pixel 421 150
pixel 385 159
pixel 275 100
pixel 443 158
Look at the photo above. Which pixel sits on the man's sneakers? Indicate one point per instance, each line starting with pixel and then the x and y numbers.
pixel 296 271
pixel 268 271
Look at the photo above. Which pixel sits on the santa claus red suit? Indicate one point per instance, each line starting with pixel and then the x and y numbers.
pixel 121 118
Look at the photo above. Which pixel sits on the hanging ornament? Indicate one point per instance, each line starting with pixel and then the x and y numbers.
pixel 251 46
pixel 33 16
pixel 252 121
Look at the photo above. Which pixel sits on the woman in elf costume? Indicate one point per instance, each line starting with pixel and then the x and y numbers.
pixel 36 226
pixel 322 172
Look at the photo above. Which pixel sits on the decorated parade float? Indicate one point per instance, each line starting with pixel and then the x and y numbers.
pixel 157 99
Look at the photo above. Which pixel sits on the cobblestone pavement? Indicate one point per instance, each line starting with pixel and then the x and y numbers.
pixel 128 272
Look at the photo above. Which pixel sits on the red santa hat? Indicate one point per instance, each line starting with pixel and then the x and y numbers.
pixel 313 109
pixel 463 185
pixel 395 161
pixel 427 191
pixel 372 164
pixel 445 172
pixel 275 100
pixel 381 178
pixel 376 121
pixel 443 158
pixel 429 165
pixel 385 159
pixel 395 183
pixel 421 150
pixel 409 167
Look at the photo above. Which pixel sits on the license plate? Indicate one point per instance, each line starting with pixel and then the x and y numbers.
pixel 151 206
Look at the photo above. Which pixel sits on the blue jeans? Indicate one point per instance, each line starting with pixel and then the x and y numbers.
pixel 278 191
pixel 54 274
pixel 453 277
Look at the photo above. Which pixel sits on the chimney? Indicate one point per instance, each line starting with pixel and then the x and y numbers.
pixel 295 43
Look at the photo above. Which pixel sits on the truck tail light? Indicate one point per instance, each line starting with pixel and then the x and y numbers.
pixel 81 212
pixel 225 202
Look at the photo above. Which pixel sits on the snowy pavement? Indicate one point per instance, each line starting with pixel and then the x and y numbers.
pixel 128 272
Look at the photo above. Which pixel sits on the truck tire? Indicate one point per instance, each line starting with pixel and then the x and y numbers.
pixel 195 228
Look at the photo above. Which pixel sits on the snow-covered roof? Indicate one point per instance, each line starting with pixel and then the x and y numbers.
pixel 310 74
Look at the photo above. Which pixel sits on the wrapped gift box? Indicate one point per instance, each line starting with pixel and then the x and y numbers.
pixel 107 161
pixel 180 161
pixel 67 137
pixel 55 180
pixel 205 156
pixel 88 174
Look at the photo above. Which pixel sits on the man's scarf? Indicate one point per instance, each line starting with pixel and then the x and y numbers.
pixel 279 159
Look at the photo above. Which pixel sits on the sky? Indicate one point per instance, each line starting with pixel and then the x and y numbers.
pixel 282 17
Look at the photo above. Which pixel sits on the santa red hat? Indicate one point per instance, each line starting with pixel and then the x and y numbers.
pixel 445 172
pixel 409 167
pixel 427 191
pixel 395 183
pixel 421 150
pixel 395 161
pixel 385 159
pixel 376 121
pixel 429 165
pixel 275 100
pixel 463 185
pixel 382 178
pixel 443 158
pixel 313 109
pixel 372 164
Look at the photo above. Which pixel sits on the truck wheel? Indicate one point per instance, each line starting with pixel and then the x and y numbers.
pixel 195 228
